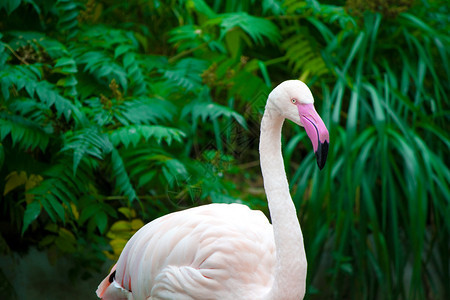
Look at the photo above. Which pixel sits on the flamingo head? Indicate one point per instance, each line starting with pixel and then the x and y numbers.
pixel 294 101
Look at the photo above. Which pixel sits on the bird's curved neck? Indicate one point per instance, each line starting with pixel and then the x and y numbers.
pixel 290 273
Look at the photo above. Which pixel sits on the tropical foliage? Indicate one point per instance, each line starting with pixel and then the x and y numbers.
pixel 113 113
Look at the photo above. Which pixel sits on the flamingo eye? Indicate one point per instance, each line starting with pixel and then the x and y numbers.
pixel 293 100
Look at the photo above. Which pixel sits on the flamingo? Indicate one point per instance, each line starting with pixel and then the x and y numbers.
pixel 228 251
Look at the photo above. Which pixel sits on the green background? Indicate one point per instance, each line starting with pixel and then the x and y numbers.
pixel 113 113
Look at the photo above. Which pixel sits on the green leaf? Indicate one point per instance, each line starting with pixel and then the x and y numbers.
pixel 376 102
pixel 201 7
pixel 174 171
pixel 65 61
pixel 56 206
pixel 49 209
pixel 186 37
pixel 66 241
pixel 32 211
pixel 101 219
pixel 264 72
pixel 10 5
pixel 2 155
pixel 89 211
pixel 418 23
pixel 121 50
pixel 123 183
pixel 274 6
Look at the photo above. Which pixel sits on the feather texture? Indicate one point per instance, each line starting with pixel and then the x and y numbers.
pixel 199 258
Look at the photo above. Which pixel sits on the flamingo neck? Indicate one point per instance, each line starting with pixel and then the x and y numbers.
pixel 291 265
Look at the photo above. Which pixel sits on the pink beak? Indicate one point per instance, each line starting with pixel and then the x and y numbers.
pixel 316 130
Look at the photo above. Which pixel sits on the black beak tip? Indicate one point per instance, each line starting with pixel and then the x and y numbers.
pixel 321 154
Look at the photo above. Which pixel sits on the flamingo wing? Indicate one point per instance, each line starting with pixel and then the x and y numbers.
pixel 216 251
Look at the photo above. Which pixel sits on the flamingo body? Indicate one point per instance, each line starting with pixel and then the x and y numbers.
pixel 200 251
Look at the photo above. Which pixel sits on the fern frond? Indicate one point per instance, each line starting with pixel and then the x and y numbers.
pixel 88 141
pixel 144 110
pixel 275 7
pixel 99 64
pixel 327 12
pixel 256 27
pixel 47 94
pixel 52 52
pixel 133 134
pixel 143 163
pixel 32 110
pixel 135 73
pixel 205 110
pixel 32 212
pixel 40 42
pixel 186 37
pixel 70 187
pixel 103 37
pixel 45 194
pixel 187 73
pixel 26 77
pixel 123 183
pixel 25 132
pixel 174 171
pixel 302 55
pixel 68 12
pixel 147 163
pixel 112 54
pixel 58 192
pixel 67 66
pixel 96 112
pixel 251 88
pixel 155 62
pixel 5 54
